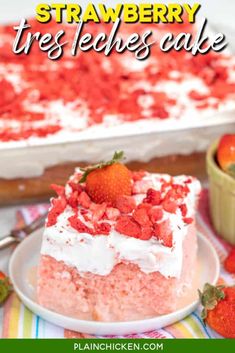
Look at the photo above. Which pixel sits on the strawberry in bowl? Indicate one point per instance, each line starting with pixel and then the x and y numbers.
pixel 226 154
pixel 220 161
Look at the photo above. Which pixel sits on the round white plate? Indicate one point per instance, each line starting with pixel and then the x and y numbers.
pixel 26 256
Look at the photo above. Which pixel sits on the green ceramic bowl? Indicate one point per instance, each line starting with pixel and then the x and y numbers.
pixel 222 197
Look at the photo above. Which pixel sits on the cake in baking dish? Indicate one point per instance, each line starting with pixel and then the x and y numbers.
pixel 119 245
pixel 92 95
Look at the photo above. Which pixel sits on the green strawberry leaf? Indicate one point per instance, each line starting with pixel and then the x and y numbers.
pixel 117 157
pixel 210 297
pixel 5 289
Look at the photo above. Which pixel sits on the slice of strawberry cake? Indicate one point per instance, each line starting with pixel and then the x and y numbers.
pixel 119 245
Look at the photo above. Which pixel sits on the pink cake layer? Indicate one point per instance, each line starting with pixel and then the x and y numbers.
pixel 126 293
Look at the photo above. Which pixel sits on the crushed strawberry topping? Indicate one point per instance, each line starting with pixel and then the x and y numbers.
pixel 142 216
pixel 58 206
pixel 95 86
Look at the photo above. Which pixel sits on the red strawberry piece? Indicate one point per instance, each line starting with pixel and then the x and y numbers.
pixel 183 209
pixel 195 95
pixel 75 186
pixel 163 233
pixel 226 153
pixel 229 263
pixel 188 220
pixel 97 210
pixel 60 190
pixel 169 205
pixel 128 226
pixel 180 190
pixel 153 197
pixel 8 93
pixel 84 200
pixel 86 214
pixel 112 213
pixel 125 204
pixel 188 181
pixel 165 184
pixel 140 215
pixel 145 205
pixel 77 224
pixel 102 228
pixel 136 176
pixel 73 199
pixel 155 214
pixel 146 233
pixel 176 193
pixel 58 206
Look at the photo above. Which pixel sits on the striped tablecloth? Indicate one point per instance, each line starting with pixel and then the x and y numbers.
pixel 18 322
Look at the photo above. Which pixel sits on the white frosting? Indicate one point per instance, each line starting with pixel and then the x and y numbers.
pixel 99 254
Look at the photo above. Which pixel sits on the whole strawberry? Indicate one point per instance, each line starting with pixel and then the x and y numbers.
pixel 219 309
pixel 226 153
pixel 5 287
pixel 106 181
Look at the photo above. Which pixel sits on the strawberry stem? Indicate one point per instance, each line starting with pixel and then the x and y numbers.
pixel 209 298
pixel 117 157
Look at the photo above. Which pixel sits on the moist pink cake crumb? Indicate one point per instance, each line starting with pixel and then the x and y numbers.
pixel 126 293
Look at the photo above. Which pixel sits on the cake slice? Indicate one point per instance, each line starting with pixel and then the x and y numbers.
pixel 119 245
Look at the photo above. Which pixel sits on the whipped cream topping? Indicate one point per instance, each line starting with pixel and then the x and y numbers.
pixel 99 254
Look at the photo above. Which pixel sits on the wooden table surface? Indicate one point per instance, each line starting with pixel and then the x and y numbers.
pixel 26 190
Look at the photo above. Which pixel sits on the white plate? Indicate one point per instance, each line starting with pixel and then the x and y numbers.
pixel 26 256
